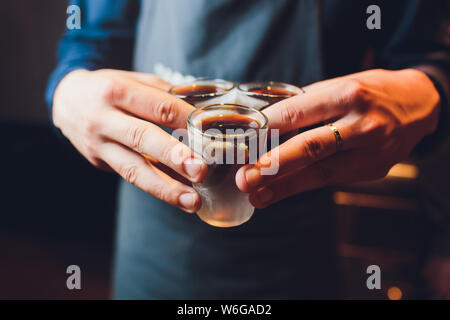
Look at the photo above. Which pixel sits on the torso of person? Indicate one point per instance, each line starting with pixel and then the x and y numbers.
pixel 284 251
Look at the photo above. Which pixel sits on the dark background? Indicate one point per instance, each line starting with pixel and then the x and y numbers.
pixel 57 210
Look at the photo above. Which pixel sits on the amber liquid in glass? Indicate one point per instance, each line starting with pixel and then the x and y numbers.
pixel 219 190
pixel 272 95
pixel 228 122
pixel 194 94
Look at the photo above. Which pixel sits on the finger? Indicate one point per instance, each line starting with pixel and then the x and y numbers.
pixel 325 83
pixel 149 139
pixel 149 103
pixel 345 167
pixel 148 79
pixel 170 172
pixel 332 101
pixel 318 85
pixel 134 169
pixel 298 152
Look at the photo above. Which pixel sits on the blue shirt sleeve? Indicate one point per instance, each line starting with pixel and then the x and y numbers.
pixel 105 40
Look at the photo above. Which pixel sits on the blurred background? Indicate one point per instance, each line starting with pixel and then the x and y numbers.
pixel 51 218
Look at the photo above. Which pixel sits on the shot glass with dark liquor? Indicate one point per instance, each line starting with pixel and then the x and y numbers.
pixel 200 91
pixel 265 93
pixel 227 136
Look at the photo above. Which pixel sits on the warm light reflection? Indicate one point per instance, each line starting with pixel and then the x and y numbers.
pixel 373 201
pixel 149 159
pixel 403 170
pixel 394 293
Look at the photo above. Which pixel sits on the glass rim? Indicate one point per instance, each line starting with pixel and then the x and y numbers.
pixel 190 83
pixel 297 90
pixel 190 123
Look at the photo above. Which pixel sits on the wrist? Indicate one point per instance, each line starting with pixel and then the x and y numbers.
pixel 440 85
pixel 62 90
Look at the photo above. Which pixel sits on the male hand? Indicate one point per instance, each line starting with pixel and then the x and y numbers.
pixel 110 116
pixel 381 115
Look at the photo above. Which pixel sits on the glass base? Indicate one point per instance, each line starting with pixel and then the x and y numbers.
pixel 226 220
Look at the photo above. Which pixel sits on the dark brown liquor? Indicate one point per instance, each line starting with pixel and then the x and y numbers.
pixel 226 122
pixel 235 142
pixel 198 90
pixel 197 93
pixel 272 95
pixel 239 133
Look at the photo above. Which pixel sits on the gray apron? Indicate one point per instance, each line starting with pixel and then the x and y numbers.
pixel 284 251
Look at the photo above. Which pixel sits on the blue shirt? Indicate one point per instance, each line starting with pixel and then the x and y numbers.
pixel 413 33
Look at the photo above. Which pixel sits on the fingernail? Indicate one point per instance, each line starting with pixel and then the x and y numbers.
pixel 252 176
pixel 264 196
pixel 187 200
pixel 192 167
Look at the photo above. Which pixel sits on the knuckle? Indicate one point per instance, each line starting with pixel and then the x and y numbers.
pixel 372 126
pixel 136 137
pixel 114 91
pixel 129 173
pixel 97 163
pixel 312 147
pixel 291 116
pixel 165 112
pixel 356 92
pixel 158 191
pixel 165 193
pixel 93 123
pixel 91 146
pixel 167 154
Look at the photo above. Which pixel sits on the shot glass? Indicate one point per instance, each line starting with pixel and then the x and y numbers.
pixel 227 136
pixel 201 91
pixel 265 93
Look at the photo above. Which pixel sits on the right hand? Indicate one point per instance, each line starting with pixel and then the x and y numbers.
pixel 109 116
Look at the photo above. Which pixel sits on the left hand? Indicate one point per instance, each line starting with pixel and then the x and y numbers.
pixel 381 115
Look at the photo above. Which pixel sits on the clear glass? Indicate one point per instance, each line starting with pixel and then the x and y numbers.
pixel 199 91
pixel 265 93
pixel 223 204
